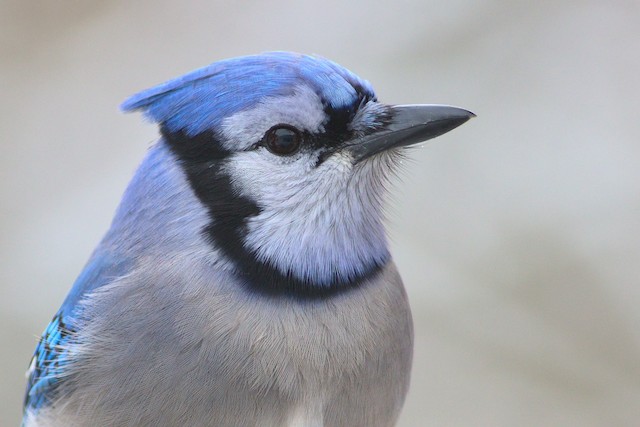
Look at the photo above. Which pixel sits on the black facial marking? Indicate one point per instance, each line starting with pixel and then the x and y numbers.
pixel 339 119
pixel 202 158
pixel 337 129
pixel 201 148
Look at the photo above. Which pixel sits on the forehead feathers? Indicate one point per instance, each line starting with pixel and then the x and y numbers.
pixel 201 100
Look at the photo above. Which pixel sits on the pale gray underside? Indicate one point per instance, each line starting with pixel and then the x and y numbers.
pixel 176 350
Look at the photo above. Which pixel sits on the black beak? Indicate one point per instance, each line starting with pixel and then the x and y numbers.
pixel 409 124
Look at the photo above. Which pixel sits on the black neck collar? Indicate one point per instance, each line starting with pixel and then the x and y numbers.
pixel 200 157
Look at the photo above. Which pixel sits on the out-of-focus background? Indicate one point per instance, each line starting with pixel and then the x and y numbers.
pixel 518 234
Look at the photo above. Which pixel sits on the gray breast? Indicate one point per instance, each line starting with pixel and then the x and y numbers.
pixel 189 346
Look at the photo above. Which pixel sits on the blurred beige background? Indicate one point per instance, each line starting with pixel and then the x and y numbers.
pixel 517 234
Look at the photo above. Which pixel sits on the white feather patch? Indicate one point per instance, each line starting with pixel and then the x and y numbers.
pixel 302 110
pixel 321 223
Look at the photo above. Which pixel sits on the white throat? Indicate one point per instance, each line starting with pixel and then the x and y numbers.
pixel 323 226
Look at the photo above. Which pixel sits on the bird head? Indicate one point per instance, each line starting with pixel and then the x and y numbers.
pixel 290 155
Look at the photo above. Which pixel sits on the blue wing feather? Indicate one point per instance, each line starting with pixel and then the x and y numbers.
pixel 48 362
pixel 51 357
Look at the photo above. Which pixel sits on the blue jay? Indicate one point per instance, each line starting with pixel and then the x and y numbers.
pixel 246 278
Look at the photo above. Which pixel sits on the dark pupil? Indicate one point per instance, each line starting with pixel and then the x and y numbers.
pixel 283 141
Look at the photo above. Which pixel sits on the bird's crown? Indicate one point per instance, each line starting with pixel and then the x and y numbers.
pixel 200 100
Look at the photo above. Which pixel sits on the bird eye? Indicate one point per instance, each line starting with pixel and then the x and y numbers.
pixel 282 140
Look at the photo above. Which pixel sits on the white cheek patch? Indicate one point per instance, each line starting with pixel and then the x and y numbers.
pixel 267 178
pixel 320 223
pixel 303 110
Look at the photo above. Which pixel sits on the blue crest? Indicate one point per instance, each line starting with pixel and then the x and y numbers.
pixel 200 100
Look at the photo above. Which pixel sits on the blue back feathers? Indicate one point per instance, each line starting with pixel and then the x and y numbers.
pixel 200 100
pixel 50 358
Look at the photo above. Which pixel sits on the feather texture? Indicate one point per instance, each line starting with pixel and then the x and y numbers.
pixel 200 100
pixel 238 286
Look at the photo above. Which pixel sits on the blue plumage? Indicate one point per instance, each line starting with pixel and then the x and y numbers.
pixel 200 100
pixel 246 277
pixel 115 257
pixel 48 362
pixel 50 357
